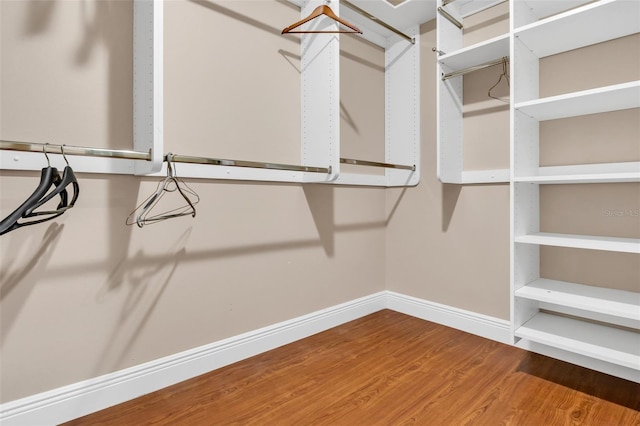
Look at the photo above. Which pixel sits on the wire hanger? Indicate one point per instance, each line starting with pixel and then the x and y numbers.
pixel 168 185
pixel 318 11
pixel 505 74
pixel 49 177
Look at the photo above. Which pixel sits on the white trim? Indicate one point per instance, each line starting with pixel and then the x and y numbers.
pixel 470 322
pixel 82 398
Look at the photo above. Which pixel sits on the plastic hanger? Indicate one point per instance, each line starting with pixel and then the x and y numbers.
pixel 505 74
pixel 68 178
pixel 318 11
pixel 48 177
pixel 168 185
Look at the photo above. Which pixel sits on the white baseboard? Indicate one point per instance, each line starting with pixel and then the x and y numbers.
pixel 79 399
pixel 471 322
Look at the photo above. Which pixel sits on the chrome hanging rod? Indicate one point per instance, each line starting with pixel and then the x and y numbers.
pixel 376 164
pixel 146 156
pixel 376 20
pixel 450 18
pixel 474 68
pixel 177 158
pixel 74 150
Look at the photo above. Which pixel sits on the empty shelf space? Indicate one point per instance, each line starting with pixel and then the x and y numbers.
pixel 619 303
pixel 585 173
pixel 593 101
pixel 609 344
pixel 624 245
pixel 477 54
pixel 584 26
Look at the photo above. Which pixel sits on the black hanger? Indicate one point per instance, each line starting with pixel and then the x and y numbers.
pixel 48 177
pixel 170 184
pixel 68 178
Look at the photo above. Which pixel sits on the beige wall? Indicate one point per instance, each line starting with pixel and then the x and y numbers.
pixel 450 243
pixel 86 295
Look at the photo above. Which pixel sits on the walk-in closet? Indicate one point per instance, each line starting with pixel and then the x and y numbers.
pixel 319 212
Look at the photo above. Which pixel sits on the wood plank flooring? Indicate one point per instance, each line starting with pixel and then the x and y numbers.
pixel 388 369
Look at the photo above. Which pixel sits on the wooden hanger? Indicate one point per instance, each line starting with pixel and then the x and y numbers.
pixel 322 10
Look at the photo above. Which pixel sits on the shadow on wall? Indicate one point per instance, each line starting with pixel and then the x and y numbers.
pixel 245 19
pixel 103 23
pixel 38 17
pixel 146 281
pixel 450 196
pixel 15 286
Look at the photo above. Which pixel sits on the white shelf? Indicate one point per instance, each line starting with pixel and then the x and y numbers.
pixel 608 344
pixel 546 8
pixel 480 53
pixel 577 28
pixel 463 8
pixel 593 101
pixel 588 242
pixel 585 173
pixel 619 303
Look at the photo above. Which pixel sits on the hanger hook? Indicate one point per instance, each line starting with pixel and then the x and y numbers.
pixel 64 156
pixel 44 150
pixel 170 171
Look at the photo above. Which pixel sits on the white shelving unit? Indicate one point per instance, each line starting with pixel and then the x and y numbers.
pixel 320 138
pixel 321 102
pixel 598 327
pixel 453 58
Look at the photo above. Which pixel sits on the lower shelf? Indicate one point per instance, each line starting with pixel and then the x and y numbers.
pixel 608 301
pixel 610 344
pixel 625 245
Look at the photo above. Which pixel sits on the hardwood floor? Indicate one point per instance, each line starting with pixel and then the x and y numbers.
pixel 388 369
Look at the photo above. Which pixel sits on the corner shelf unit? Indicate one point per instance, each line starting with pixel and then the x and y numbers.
pixel 597 327
pixel 454 59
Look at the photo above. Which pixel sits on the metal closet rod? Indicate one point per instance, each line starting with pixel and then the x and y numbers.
pixel 474 68
pixel 376 164
pixel 376 20
pixel 74 150
pixel 453 20
pixel 146 156
pixel 177 158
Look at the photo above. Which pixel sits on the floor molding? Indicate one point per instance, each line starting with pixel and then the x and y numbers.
pixel 471 322
pixel 79 399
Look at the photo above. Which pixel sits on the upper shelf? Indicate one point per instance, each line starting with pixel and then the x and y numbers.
pixel 584 26
pixel 479 53
pixel 464 8
pixel 541 9
pixel 594 101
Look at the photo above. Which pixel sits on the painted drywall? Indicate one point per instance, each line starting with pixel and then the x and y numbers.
pixel 85 295
pixel 450 243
